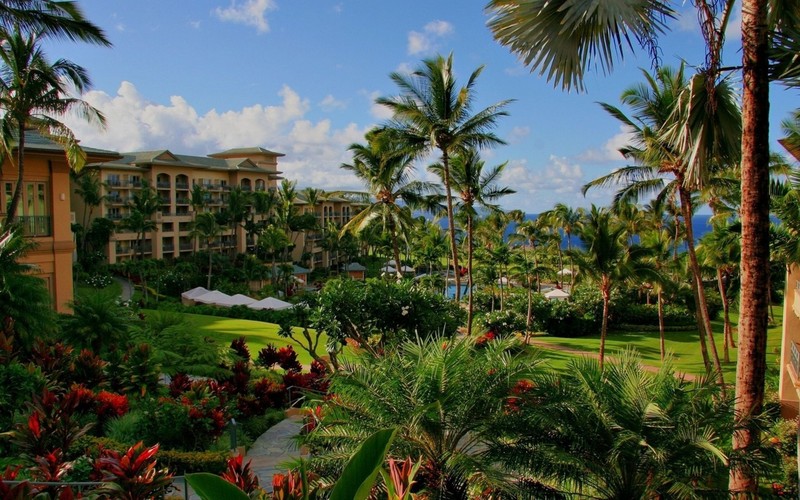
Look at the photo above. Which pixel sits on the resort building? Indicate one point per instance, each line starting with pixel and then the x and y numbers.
pixel 173 177
pixel 790 342
pixel 44 210
pixel 330 211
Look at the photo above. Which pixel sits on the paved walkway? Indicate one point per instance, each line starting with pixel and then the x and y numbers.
pixel 273 448
pixel 127 288
pixel 270 450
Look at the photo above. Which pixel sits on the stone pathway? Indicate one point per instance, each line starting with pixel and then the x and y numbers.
pixel 273 448
pixel 127 288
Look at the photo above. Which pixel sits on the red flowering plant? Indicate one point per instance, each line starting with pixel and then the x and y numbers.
pixel 291 486
pixel 241 475
pixel 518 395
pixel 133 474
pixel 482 340
pixel 111 405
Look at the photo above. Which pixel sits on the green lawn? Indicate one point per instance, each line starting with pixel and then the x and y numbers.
pixel 684 346
pixel 257 333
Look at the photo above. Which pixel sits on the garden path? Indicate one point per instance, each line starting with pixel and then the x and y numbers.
pixel 273 448
pixel 127 288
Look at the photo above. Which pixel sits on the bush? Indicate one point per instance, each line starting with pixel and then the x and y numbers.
pixel 647 314
pixel 185 462
pixel 257 425
pixel 502 323
pixel 124 429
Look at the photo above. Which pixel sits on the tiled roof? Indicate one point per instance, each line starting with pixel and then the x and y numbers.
pixel 34 141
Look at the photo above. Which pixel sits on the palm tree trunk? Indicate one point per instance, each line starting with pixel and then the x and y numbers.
pixel 606 298
pixel 451 221
pixel 11 217
pixel 208 249
pixel 396 252
pixel 686 208
pixel 726 328
pixel 661 324
pixel 752 362
pixel 470 250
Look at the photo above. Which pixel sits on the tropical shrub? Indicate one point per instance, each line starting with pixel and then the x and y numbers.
pixel 502 324
pixel 18 383
pixel 267 356
pixel 135 472
pixel 257 425
pixel 239 347
pixel 185 462
pixel 241 475
pixel 435 392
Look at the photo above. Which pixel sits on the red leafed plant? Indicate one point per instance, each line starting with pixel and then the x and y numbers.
pixel 240 474
pixel 400 478
pixel 110 404
pixel 287 486
pixel 268 356
pixel 19 491
pixel 133 474
pixel 287 359
pixel 239 346
pixel 51 424
pixel 178 384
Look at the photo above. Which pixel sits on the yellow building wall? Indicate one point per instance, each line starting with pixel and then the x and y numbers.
pixel 789 379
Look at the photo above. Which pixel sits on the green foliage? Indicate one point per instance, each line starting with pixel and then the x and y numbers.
pixel 185 462
pixel 435 392
pixel 124 429
pixel 257 425
pixel 176 345
pixel 211 487
pixel 503 323
pixel 98 322
pixel 18 383
pixel 360 472
pixel 390 311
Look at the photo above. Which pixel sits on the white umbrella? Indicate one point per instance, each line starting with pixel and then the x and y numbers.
pixel 389 269
pixel 270 303
pixel 556 294
pixel 564 272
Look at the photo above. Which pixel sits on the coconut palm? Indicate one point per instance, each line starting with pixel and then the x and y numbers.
pixel 50 18
pixel 98 322
pixel 656 241
pixel 33 93
pixel 206 227
pixel 607 260
pixel 477 188
pixel 385 168
pixel 433 113
pixel 563 39
pixel 621 432
pixel 661 115
pixel 89 189
pixel 439 396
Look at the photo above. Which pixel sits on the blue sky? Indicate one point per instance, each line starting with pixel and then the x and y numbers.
pixel 300 77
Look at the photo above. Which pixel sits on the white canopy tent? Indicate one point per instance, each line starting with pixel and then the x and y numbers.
pixel 214 297
pixel 388 269
pixel 238 300
pixel 270 303
pixel 556 294
pixel 565 272
pixel 194 292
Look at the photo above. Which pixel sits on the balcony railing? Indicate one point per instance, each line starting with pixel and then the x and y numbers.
pixel 167 247
pixel 247 188
pixel 34 225
pixel 186 246
pixel 111 216
pixel 182 185
pixel 163 185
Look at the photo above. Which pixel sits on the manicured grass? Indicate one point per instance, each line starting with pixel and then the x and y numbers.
pixel 113 289
pixel 257 333
pixel 684 346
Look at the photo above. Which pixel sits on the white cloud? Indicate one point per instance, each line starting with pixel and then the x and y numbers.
pixel 195 24
pixel 379 111
pixel 119 27
pixel 518 134
pixel 330 103
pixel 538 189
pixel 426 40
pixel 609 152
pixel 314 150
pixel 247 12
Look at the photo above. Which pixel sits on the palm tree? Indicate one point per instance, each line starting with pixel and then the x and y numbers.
pixel 664 109
pixel 206 227
pixel 273 240
pixel 239 202
pixel 385 167
pixel 50 18
pixel 143 204
pixel 98 323
pixel 607 260
pixel 566 218
pixel 32 93
pixel 563 39
pixel 89 189
pixel 433 113
pixel 621 432
pixel 656 241
pixel 439 397
pixel 478 189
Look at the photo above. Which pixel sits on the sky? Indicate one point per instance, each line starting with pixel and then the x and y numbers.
pixel 301 76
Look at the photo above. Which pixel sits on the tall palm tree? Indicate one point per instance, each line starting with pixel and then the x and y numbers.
pixel 656 241
pixel 477 188
pixel 664 108
pixel 607 260
pixel 206 227
pixel 563 39
pixel 34 93
pixel 89 189
pixel 239 205
pixel 434 113
pixel 385 168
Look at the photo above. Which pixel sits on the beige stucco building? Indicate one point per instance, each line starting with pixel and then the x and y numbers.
pixel 45 210
pixel 173 177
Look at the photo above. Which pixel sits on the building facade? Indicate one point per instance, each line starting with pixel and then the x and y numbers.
pixel 44 211
pixel 330 211
pixel 173 177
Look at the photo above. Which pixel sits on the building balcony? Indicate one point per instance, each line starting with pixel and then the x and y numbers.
pixel 182 185
pixel 183 201
pixel 113 216
pixel 117 200
pixel 168 247
pixel 186 246
pixel 165 200
pixel 247 189
pixel 35 225
pixel 163 185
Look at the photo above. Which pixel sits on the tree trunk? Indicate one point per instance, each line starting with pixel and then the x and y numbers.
pixel 11 217
pixel 686 208
pixel 470 249
pixel 210 263
pixel 451 222
pixel 395 252
pixel 606 297
pixel 661 324
pixel 751 367
pixel 726 328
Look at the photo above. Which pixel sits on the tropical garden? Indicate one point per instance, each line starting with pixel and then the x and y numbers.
pixel 409 390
